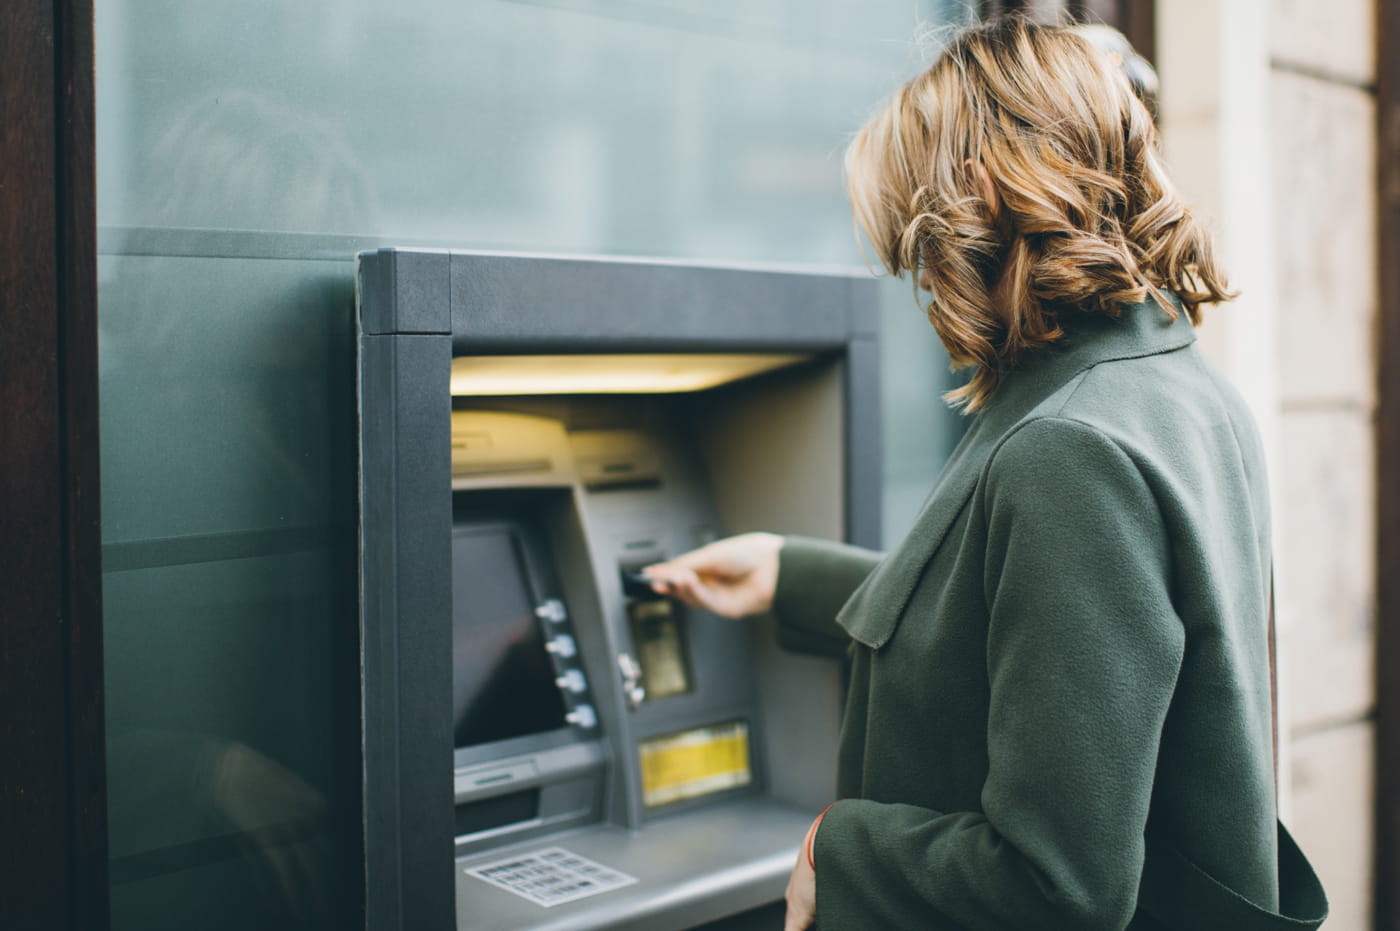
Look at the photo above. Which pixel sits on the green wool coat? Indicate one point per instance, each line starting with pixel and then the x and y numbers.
pixel 1066 655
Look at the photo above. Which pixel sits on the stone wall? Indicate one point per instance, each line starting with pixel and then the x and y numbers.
pixel 1322 106
pixel 1268 112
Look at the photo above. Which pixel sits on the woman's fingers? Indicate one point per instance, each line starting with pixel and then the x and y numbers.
pixel 732 577
pixel 686 585
pixel 679 582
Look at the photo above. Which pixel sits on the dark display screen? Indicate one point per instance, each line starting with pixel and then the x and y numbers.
pixel 502 677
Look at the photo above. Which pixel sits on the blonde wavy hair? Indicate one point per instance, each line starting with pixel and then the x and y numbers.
pixel 1019 178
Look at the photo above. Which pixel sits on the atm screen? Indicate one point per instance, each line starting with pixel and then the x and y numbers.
pixel 502 677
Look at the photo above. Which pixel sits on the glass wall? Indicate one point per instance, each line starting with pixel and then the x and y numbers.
pixel 246 151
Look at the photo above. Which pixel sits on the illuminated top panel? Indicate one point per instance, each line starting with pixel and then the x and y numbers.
pixel 641 373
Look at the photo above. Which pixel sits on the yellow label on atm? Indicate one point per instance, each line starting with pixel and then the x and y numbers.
pixel 695 763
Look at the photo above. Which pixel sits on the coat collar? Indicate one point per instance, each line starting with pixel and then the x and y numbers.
pixel 873 611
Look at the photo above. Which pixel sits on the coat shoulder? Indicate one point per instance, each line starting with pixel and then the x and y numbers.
pixel 1154 406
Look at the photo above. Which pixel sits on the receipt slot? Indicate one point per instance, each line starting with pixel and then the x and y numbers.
pixel 548 744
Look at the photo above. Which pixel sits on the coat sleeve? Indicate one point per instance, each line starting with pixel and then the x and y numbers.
pixel 1083 652
pixel 815 578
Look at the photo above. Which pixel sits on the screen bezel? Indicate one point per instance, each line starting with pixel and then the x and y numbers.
pixel 540 585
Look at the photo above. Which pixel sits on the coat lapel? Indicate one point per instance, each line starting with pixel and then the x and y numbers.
pixel 873 612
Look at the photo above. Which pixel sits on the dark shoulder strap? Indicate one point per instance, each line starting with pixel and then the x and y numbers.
pixel 1273 678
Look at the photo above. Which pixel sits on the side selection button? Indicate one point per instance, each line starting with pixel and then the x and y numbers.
pixel 562 646
pixel 552 611
pixel 584 716
pixel 572 681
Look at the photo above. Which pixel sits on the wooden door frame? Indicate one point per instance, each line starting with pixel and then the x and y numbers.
pixel 1387 811
pixel 53 812
pixel 1136 19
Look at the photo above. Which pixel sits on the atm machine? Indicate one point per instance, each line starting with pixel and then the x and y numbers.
pixel 548 744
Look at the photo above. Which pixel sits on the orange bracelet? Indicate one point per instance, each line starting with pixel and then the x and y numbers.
pixel 812 836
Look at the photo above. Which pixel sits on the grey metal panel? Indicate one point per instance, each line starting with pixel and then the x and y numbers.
pixel 668 515
pixel 526 303
pixel 863 306
pixel 863 441
pixel 691 868
pixel 406 611
pixel 775 452
pixel 379 646
pixel 404 292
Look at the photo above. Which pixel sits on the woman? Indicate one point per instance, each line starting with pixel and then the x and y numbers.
pixel 1059 712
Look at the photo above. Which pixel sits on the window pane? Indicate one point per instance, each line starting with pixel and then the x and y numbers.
pixel 246 150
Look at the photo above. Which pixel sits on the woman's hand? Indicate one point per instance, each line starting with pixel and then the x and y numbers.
pixel 733 577
pixel 801 896
pixel 802 884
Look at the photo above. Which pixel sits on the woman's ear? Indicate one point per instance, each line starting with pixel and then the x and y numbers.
pixel 983 182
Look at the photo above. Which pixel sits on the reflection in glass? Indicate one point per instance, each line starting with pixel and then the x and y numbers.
pixel 189 802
